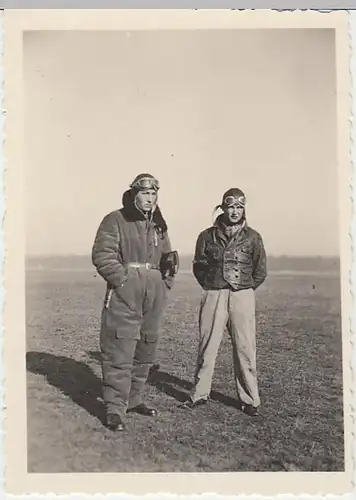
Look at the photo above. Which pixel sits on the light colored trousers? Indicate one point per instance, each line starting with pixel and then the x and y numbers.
pixel 236 310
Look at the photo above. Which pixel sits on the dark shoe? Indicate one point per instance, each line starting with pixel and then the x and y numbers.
pixel 154 368
pixel 250 410
pixel 114 422
pixel 142 409
pixel 190 405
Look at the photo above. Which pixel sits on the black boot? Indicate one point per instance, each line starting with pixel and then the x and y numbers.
pixel 190 405
pixel 114 422
pixel 142 409
pixel 250 410
pixel 154 368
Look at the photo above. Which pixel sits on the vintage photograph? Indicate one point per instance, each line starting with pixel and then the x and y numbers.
pixel 185 251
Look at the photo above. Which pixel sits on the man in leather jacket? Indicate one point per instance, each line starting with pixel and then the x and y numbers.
pixel 229 264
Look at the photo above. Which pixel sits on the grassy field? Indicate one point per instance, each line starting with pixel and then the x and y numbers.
pixel 299 366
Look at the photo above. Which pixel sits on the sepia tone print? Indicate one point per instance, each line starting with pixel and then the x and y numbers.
pixel 185 253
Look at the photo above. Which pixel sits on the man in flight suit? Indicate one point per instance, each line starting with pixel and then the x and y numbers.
pixel 130 251
pixel 229 264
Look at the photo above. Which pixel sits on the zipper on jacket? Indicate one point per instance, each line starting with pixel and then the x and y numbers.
pixel 108 298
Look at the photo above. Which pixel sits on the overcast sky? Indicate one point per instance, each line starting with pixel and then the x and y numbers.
pixel 203 111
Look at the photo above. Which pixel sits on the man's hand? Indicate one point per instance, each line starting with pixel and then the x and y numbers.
pixel 169 264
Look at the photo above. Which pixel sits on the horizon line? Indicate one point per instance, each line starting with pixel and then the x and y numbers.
pixel 275 256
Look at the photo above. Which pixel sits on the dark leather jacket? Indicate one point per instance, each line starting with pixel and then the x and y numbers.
pixel 238 264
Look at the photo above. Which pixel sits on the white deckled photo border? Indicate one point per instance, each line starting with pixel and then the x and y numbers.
pixel 16 478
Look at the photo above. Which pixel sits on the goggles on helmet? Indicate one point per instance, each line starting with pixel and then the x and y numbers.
pixel 146 183
pixel 229 201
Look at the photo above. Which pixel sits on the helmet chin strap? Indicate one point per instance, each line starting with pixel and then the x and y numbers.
pixel 218 207
pixel 146 215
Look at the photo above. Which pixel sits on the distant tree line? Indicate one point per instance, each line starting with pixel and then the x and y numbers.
pixel 275 263
pixel 288 263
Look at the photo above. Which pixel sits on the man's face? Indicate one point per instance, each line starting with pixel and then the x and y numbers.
pixel 233 214
pixel 146 199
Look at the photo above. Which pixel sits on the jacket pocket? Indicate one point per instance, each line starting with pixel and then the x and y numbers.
pixel 244 257
pixel 125 294
pixel 128 332
pixel 213 253
pixel 114 329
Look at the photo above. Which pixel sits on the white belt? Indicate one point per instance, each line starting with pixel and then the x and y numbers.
pixel 142 265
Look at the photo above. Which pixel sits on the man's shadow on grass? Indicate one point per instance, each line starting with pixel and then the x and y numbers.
pixel 172 386
pixel 76 380
pixel 73 378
